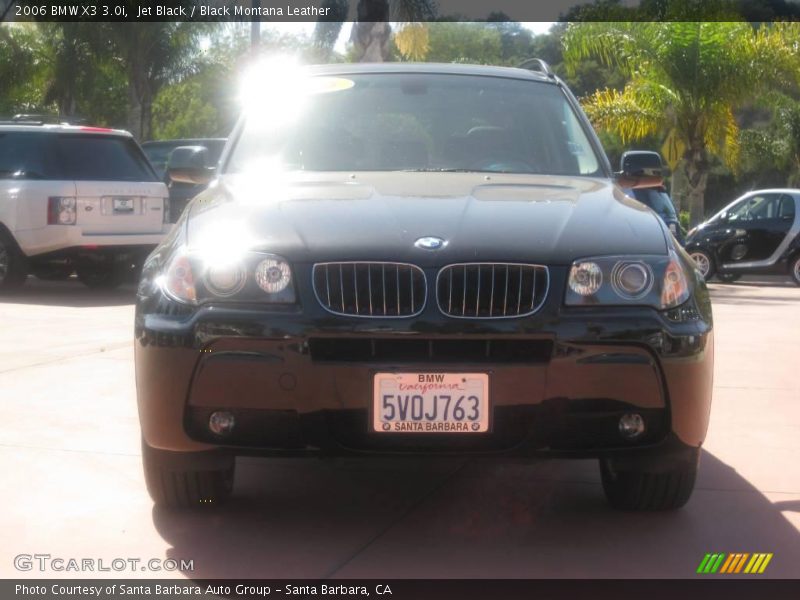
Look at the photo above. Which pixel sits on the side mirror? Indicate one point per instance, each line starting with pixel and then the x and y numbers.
pixel 640 169
pixel 189 164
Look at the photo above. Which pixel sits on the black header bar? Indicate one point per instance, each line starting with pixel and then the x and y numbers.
pixel 382 10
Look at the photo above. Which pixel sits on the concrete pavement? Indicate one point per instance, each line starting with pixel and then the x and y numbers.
pixel 72 484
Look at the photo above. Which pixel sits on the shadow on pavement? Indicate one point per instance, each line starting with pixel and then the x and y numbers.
pixel 293 518
pixel 70 293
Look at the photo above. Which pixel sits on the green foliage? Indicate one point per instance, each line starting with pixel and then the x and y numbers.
pixel 771 153
pixel 683 217
pixel 464 43
pixel 183 110
pixel 21 72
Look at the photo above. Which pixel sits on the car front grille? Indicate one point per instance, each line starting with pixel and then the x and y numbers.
pixel 491 290
pixel 430 350
pixel 370 289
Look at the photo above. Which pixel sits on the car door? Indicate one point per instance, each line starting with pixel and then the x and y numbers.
pixel 753 227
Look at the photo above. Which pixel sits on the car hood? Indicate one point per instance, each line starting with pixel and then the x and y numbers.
pixel 379 216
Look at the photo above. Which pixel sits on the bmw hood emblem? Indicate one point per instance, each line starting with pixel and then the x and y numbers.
pixel 430 243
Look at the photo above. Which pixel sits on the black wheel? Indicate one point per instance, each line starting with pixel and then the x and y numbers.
pixel 704 262
pixel 13 270
pixel 729 277
pixel 794 269
pixel 644 489
pixel 100 277
pixel 187 479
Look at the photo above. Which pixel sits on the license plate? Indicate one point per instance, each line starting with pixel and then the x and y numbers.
pixel 430 403
pixel 123 205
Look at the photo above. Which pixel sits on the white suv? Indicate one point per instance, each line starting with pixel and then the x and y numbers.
pixel 76 199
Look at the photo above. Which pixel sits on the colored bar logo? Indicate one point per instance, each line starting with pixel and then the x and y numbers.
pixel 737 562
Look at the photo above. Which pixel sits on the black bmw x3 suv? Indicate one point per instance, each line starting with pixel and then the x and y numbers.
pixel 420 260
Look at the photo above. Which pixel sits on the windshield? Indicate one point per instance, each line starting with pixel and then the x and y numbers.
pixel 397 122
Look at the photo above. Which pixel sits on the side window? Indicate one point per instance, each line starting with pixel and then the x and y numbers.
pixel 786 208
pixel 756 208
pixel 26 156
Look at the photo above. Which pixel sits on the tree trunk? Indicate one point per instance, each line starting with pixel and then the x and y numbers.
pixel 371 31
pixel 697 168
pixel 140 102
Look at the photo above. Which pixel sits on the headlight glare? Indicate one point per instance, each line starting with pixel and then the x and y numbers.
pixel 225 280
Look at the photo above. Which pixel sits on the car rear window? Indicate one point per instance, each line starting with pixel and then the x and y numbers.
pixel 397 122
pixel 81 157
pixel 102 158
pixel 27 156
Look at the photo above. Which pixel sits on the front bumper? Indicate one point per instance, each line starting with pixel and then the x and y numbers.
pixel 300 381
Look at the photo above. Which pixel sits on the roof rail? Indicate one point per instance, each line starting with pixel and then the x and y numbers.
pixel 42 119
pixel 537 64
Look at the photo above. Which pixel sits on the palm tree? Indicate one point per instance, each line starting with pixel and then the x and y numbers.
pixel 686 77
pixel 372 31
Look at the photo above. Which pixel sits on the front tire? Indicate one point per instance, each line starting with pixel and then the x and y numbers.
pixel 187 479
pixel 704 262
pixel 794 269
pixel 13 270
pixel 648 489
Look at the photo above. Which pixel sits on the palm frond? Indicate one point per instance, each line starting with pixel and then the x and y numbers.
pixel 622 113
pixel 412 40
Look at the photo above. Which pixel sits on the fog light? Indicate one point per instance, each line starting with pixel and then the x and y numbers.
pixel 631 426
pixel 221 422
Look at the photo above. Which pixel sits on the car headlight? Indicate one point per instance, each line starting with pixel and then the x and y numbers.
pixel 254 277
pixel 657 281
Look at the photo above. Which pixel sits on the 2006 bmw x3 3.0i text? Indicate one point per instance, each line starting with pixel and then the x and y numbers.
pixel 420 259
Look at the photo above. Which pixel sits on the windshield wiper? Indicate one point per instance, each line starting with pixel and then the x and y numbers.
pixel 444 170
